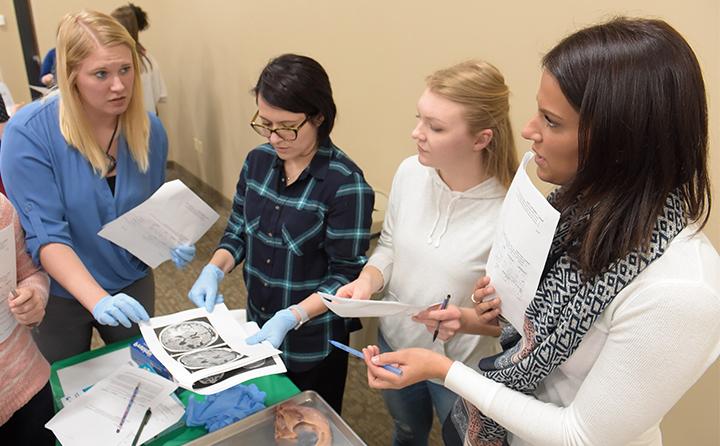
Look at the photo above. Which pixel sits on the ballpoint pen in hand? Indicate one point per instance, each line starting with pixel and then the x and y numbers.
pixel 127 409
pixel 443 306
pixel 145 419
pixel 358 354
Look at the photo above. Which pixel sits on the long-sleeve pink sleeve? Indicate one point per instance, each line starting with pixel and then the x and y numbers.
pixel 23 369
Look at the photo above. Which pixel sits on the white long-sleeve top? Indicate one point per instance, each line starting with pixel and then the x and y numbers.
pixel 435 242
pixel 153 84
pixel 652 343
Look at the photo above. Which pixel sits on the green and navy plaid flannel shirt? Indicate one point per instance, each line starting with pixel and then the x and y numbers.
pixel 311 236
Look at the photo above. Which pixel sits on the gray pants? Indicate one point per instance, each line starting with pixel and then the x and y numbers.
pixel 67 327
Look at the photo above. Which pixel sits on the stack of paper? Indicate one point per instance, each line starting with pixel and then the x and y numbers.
pixel 524 234
pixel 110 413
pixel 206 352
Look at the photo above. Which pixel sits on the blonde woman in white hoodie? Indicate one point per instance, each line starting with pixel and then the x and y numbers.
pixel 438 230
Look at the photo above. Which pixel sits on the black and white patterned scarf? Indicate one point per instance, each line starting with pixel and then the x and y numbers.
pixel 561 313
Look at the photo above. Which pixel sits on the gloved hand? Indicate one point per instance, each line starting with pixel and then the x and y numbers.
pixel 224 407
pixel 119 309
pixel 275 329
pixel 182 255
pixel 204 292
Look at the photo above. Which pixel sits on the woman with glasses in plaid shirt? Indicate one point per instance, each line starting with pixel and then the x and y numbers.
pixel 300 223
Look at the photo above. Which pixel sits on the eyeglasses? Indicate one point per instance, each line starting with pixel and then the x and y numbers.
pixel 285 133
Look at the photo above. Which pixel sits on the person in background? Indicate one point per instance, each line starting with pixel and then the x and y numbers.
pixel 26 402
pixel 624 320
pixel 47 70
pixel 5 113
pixel 443 206
pixel 300 223
pixel 75 161
pixel 154 90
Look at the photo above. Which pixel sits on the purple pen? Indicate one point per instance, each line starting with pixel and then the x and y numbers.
pixel 443 306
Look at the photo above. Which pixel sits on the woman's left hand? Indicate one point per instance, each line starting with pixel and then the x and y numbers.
pixel 28 307
pixel 417 364
pixel 448 318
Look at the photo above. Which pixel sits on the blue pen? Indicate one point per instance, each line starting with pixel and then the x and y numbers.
pixel 354 352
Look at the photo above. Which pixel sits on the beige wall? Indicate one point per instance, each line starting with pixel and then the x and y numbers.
pixel 12 66
pixel 377 54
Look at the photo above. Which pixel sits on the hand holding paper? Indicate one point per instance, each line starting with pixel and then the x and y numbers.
pixel 171 217
pixel 526 227
pixel 360 288
pixel 182 255
pixel 345 307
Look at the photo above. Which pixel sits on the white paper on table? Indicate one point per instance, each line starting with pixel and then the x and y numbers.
pixel 345 307
pixel 166 413
pixel 80 376
pixel 526 228
pixel 216 335
pixel 8 280
pixel 172 216
pixel 95 416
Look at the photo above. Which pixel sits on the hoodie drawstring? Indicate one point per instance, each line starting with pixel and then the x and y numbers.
pixel 437 220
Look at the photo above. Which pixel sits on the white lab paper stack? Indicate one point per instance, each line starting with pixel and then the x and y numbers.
pixel 105 415
pixel 522 241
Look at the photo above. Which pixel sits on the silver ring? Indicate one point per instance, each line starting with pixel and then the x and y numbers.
pixel 472 298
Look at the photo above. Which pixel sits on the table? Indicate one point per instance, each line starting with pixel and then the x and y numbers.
pixel 277 387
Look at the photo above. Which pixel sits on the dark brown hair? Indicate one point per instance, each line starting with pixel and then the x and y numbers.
pixel 638 88
pixel 299 84
pixel 127 18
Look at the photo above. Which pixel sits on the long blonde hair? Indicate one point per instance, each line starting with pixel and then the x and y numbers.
pixel 480 88
pixel 78 35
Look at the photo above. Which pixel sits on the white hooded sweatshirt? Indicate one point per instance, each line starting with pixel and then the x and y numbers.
pixel 435 242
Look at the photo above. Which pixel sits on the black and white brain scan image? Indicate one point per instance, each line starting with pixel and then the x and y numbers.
pixel 188 335
pixel 208 358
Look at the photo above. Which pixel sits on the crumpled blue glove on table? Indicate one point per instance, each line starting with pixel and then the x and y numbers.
pixel 224 408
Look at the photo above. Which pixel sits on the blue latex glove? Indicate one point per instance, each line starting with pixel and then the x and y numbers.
pixel 204 292
pixel 119 309
pixel 275 329
pixel 225 407
pixel 182 255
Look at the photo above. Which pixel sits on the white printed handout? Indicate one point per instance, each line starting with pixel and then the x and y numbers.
pixel 345 307
pixel 111 411
pixel 522 241
pixel 206 352
pixel 8 280
pixel 172 216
